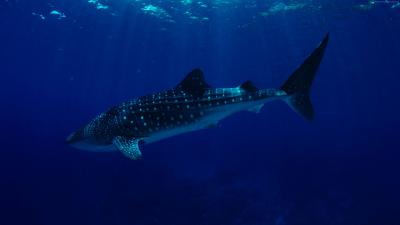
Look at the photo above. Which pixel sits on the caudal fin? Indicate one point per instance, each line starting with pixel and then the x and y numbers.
pixel 299 83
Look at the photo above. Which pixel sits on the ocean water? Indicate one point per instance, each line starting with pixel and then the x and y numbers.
pixel 63 62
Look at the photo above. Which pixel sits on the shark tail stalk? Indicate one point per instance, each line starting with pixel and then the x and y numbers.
pixel 298 86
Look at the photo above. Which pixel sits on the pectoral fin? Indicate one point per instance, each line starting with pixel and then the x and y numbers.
pixel 128 146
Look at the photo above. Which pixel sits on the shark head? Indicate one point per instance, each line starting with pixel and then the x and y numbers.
pixel 92 137
pixel 78 140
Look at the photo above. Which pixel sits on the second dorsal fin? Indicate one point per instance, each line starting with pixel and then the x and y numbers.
pixel 194 83
pixel 248 86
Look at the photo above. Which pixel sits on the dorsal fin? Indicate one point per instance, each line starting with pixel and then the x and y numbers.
pixel 248 86
pixel 194 83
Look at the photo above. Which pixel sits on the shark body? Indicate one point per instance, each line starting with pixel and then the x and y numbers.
pixel 191 105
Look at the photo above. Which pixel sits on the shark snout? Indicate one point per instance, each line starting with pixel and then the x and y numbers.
pixel 74 138
pixel 70 138
pixel 78 140
pixel 81 141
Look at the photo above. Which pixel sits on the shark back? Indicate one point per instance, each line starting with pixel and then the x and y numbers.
pixel 191 105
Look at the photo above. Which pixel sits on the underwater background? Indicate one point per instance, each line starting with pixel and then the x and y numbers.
pixel 62 62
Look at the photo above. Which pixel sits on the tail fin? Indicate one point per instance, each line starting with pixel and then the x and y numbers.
pixel 299 83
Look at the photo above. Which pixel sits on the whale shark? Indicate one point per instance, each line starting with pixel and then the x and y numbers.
pixel 191 105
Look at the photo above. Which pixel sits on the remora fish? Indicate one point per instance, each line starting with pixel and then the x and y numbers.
pixel 191 105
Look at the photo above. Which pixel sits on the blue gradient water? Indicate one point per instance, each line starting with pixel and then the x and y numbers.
pixel 63 62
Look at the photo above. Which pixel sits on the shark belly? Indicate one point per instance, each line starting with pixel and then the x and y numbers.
pixel 211 118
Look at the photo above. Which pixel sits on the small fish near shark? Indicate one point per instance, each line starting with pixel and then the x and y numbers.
pixel 192 105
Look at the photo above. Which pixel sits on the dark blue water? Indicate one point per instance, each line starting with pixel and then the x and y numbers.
pixel 59 69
